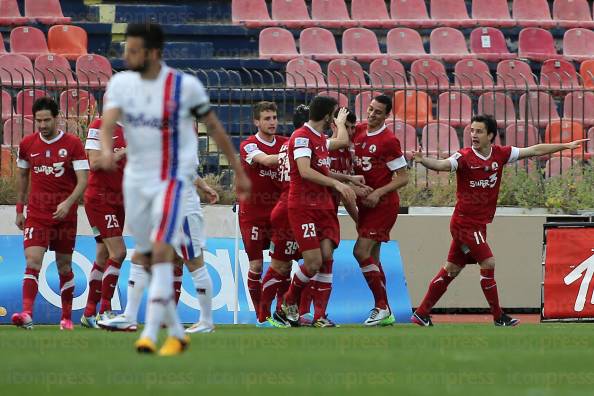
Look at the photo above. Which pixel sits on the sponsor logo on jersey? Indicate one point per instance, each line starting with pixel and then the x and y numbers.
pixel 142 121
pixel 268 173
pixel 57 169
pixel 485 183
pixel 323 162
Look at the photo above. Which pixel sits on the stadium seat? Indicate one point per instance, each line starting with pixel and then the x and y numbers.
pixel 7 110
pixel 331 14
pixel 77 103
pixel 538 108
pixel 587 73
pixel 473 74
pixel 47 12
pixel 572 13
pixel 387 73
pixel 563 131
pixel 251 13
pixel 536 44
pixel 277 44
pixel 428 74
pixel 10 14
pixel 93 70
pixel 498 105
pixel 439 140
pixel 405 44
pixel 467 139
pixel 521 134
pixel 454 108
pixel 489 44
pixel 15 129
pixel 410 13
pixel 413 107
pixel 361 44
pixel 579 106
pixel 406 134
pixel 515 74
pixel 72 125
pixel 69 41
pixel 557 166
pixel 16 70
pixel 532 13
pixel 25 99
pixel 451 13
pixel 346 74
pixel 319 44
pixel 305 73
pixel 558 74
pixel 342 99
pixel 53 71
pixel 371 13
pixel 448 44
pixel 578 44
pixel 492 13
pixel 362 101
pixel 291 13
pixel 28 41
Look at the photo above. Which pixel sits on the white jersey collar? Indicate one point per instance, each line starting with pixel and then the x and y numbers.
pixel 54 140
pixel 311 129
pixel 481 156
pixel 376 132
pixel 269 144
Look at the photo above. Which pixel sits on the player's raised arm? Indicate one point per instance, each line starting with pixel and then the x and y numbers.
pixel 431 163
pixel 544 149
pixel 111 115
pixel 342 139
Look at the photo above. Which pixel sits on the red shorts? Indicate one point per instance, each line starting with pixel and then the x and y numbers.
pixel 376 223
pixel 106 219
pixel 59 237
pixel 469 243
pixel 283 246
pixel 310 226
pixel 256 236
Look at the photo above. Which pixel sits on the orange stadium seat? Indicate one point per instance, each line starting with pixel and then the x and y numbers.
pixel 371 13
pixel 579 106
pixel 10 14
pixel 93 70
pixel 563 131
pixel 277 44
pixel 405 44
pixel 450 13
pixel 439 140
pixel 489 44
pixel 305 73
pixel 498 105
pixel 454 108
pixel 28 41
pixel 572 13
pixel 406 134
pixel 558 74
pixel 69 41
pixel 48 12
pixel 515 74
pixel 387 73
pixel 537 44
pixel 532 13
pixel 578 44
pixel 492 13
pixel 319 44
pixel 346 74
pixel 413 107
pixel 7 110
pixel 410 13
pixel 16 70
pixel 449 44
pixel 587 73
pixel 361 44
pixel 77 103
pixel 331 13
pixel 53 71
pixel 252 13
pixel 342 99
pixel 557 166
pixel 521 135
pixel 25 99
pixel 291 13
pixel 362 101
pixel 467 140
pixel 428 74
pixel 15 129
pixel 538 108
pixel 473 74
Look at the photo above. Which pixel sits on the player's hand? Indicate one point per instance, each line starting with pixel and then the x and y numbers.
pixel 119 154
pixel 342 116
pixel 371 200
pixel 362 192
pixel 575 144
pixel 211 195
pixel 346 192
pixel 62 210
pixel 107 161
pixel 20 221
pixel 358 180
pixel 418 155
pixel 243 185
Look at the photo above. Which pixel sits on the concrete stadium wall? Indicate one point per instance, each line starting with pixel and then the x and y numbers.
pixel 516 241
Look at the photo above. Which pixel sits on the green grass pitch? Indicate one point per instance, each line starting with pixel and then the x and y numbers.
pixel 448 359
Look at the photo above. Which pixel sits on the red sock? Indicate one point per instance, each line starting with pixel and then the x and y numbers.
pixel 109 283
pixel 30 282
pixel 94 290
pixel 306 298
pixel 178 273
pixel 255 288
pixel 323 289
pixel 282 290
pixel 373 276
pixel 489 287
pixel 437 287
pixel 270 286
pixel 383 278
pixel 67 294
pixel 300 280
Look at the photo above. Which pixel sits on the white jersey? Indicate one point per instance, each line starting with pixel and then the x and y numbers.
pixel 158 119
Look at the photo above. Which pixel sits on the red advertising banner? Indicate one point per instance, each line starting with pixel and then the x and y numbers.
pixel 569 272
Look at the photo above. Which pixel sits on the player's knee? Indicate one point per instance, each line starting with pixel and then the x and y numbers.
pixel 282 267
pixel 452 269
pixel 256 266
pixel 33 262
pixel 313 265
pixel 361 253
pixel 488 263
pixel 64 266
pixel 119 255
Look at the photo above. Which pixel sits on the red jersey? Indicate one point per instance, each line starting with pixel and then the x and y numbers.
pixel 377 156
pixel 101 181
pixel 265 188
pixel 283 176
pixel 478 181
pixel 52 167
pixel 341 161
pixel 307 142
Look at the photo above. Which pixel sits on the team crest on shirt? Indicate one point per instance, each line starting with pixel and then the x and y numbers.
pixel 63 153
pixel 372 148
pixel 494 166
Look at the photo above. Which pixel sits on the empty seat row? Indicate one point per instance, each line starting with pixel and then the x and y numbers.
pixel 411 13
pixel 66 40
pixel 47 12
pixel 74 103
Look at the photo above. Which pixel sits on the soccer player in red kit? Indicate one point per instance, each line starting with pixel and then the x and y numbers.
pixel 379 158
pixel 478 171
pixel 259 157
pixel 56 166
pixel 104 205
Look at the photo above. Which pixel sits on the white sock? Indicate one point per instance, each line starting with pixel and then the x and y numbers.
pixel 160 294
pixel 137 282
pixel 203 285
pixel 171 320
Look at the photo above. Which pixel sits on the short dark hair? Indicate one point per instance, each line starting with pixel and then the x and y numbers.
pixel 46 103
pixel 386 101
pixel 300 116
pixel 351 117
pixel 263 106
pixel 490 124
pixel 321 106
pixel 151 33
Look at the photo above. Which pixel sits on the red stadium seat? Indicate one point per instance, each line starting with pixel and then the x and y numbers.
pixel 25 99
pixel 572 13
pixel 405 44
pixel 252 13
pixel 346 74
pixel 319 44
pixel 16 70
pixel 7 111
pixel 515 74
pixel 454 108
pixel 536 44
pixel 587 73
pixel 557 166
pixel 342 99
pixel 331 13
pixel 69 41
pixel 410 13
pixel 361 44
pixel 362 101
pixel 53 71
pixel 450 13
pixel 449 44
pixel 10 14
pixel 473 74
pixel 498 105
pixel 558 74
pixel 77 103
pixel 93 70
pixel 563 131
pixel 305 73
pixel 387 73
pixel 578 44
pixel 541 108
pixel 48 12
pixel 521 135
pixel 413 107
pixel 291 13
pixel 277 44
pixel 15 129
pixel 467 139
pixel 532 13
pixel 492 13
pixel 439 140
pixel 371 13
pixel 407 135
pixel 489 44
pixel 28 41
pixel 579 106
pixel 428 74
